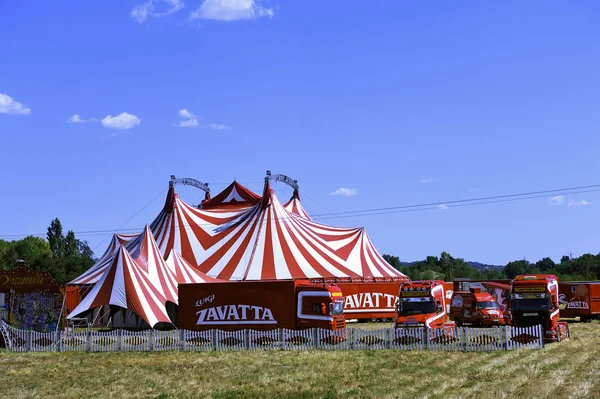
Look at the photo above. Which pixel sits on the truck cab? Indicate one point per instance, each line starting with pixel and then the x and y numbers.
pixel 476 307
pixel 321 306
pixel 534 300
pixel 421 303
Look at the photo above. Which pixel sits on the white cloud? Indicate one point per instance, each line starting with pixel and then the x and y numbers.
pixel 442 206
pixel 123 121
pixel 76 118
pixel 8 105
pixel 579 203
pixel 142 11
pixel 231 10
pixel 186 114
pixel 346 192
pixel 189 123
pixel 557 200
pixel 428 180
pixel 218 126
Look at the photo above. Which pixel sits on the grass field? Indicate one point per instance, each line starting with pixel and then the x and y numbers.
pixel 569 369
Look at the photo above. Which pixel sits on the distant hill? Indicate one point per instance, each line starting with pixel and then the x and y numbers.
pixel 483 266
pixel 476 265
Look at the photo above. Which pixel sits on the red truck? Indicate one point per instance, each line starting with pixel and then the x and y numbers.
pixel 260 305
pixel 500 290
pixel 534 300
pixel 422 303
pixel 368 300
pixel 579 299
pixel 476 307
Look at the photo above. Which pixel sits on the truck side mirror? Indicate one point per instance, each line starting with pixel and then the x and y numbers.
pixel 323 309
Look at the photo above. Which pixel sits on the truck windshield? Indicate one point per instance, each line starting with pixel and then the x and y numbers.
pixel 412 306
pixel 336 308
pixel 488 305
pixel 530 304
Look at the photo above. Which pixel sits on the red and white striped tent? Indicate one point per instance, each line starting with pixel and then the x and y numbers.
pixel 234 196
pixel 186 273
pixel 94 273
pixel 157 280
pixel 295 206
pixel 237 235
pixel 124 284
pixel 265 241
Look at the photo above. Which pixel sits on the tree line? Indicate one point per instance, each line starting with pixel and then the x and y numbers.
pixel 63 256
pixel 445 267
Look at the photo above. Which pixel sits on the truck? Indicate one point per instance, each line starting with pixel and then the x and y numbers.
pixel 500 290
pixel 260 305
pixel 534 300
pixel 476 307
pixel 579 299
pixel 422 303
pixel 371 300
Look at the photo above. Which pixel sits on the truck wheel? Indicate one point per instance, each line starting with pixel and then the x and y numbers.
pixel 458 322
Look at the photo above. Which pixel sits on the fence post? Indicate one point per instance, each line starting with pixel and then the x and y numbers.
pixel 182 340
pixel 150 340
pixel 425 340
pixel 541 335
pixel 280 338
pixel 57 341
pixel 28 343
pixel 214 339
pixel 119 340
pixel 315 332
pixel 246 339
pixel 391 337
pixel 88 343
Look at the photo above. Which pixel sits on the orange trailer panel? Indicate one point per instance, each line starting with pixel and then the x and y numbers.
pixel 258 305
pixel 370 300
pixel 579 299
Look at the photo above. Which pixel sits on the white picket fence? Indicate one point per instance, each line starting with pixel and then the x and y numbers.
pixel 451 339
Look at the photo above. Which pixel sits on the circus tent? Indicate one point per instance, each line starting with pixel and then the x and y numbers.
pixel 236 235
pixel 295 206
pixel 234 196
pixel 94 273
pixel 124 284
pixel 142 281
pixel 267 240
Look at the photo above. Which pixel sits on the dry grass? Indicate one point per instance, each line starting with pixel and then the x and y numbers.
pixel 570 369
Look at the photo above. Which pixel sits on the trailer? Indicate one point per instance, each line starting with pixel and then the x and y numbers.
pixel 260 305
pixel 579 299
pixel 368 299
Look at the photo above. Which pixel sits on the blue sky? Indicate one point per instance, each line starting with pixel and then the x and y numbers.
pixel 474 98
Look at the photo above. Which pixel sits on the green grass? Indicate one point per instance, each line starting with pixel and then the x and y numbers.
pixel 569 369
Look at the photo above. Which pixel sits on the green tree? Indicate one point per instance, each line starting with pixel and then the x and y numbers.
pixel 70 246
pixel 33 250
pixel 64 258
pixel 394 261
pixel 517 267
pixel 545 264
pixel 55 238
